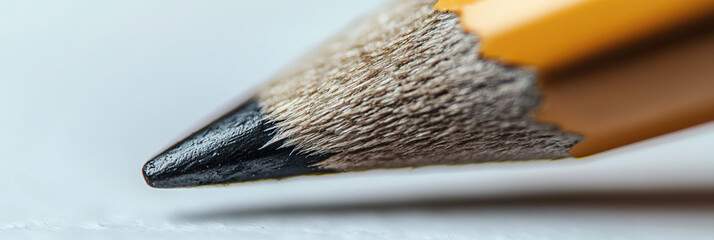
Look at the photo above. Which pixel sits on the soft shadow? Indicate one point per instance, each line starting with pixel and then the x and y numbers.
pixel 689 200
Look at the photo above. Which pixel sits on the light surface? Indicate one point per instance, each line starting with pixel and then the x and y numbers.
pixel 90 90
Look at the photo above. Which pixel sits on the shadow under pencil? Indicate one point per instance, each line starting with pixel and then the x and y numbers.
pixel 701 200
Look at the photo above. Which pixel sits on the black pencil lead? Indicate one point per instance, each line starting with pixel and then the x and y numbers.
pixel 230 149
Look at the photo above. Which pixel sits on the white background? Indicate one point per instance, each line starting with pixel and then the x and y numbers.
pixel 90 90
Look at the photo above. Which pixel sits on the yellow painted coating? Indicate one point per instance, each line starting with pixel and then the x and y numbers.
pixel 549 34
pixel 636 95
pixel 451 5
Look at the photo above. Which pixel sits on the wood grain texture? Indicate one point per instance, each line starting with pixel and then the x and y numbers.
pixel 405 87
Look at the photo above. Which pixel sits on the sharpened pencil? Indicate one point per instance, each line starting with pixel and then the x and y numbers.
pixel 407 86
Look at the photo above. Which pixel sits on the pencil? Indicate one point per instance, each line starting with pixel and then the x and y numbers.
pixel 418 84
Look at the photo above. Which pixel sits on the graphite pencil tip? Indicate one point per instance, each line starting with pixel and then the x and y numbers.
pixel 228 150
